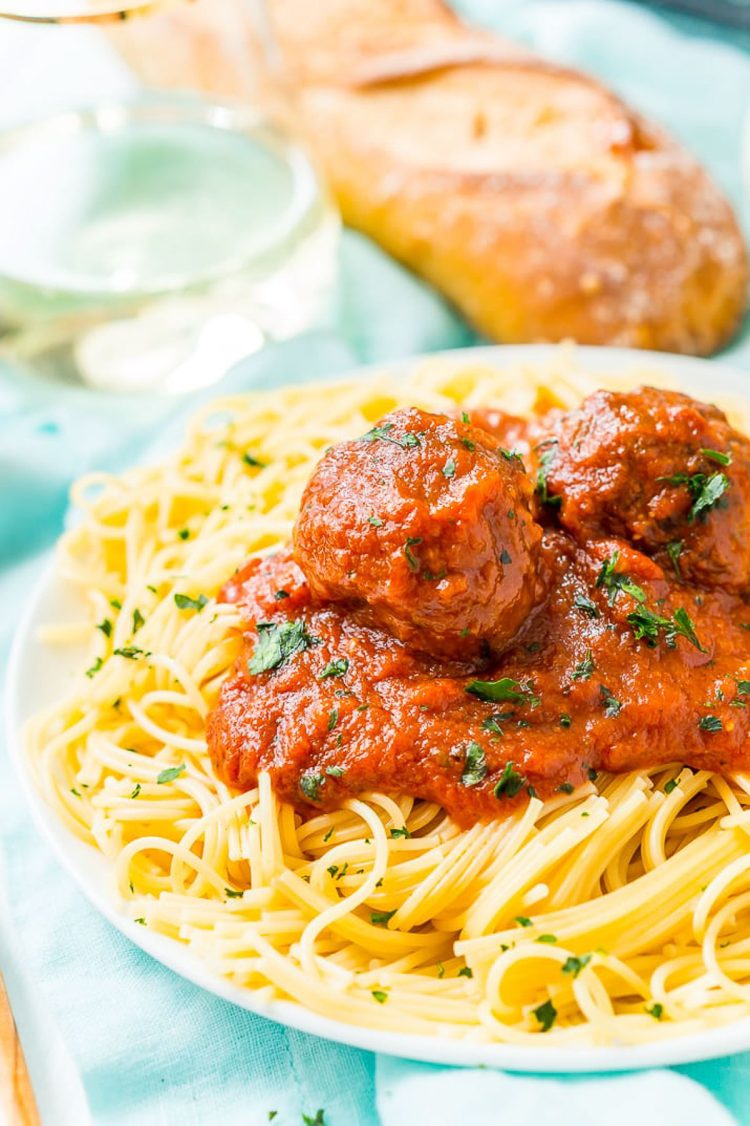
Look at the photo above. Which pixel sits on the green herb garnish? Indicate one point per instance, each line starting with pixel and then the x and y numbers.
pixel 546 1014
pixel 509 783
pixel 717 456
pixel 710 723
pixel 585 668
pixel 336 667
pixel 184 602
pixel 497 691
pixel 253 462
pixel 545 460
pixel 647 624
pixel 411 559
pixel 612 707
pixel 382 918
pixel 475 766
pixel 586 606
pixel 310 784
pixel 674 550
pixel 574 964
pixel 277 643
pixel 170 774
pixel 383 434
pixel 705 491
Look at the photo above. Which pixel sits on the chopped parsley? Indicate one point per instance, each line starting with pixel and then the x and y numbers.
pixel 468 444
pixel 586 606
pixel 505 557
pixel 705 491
pixel 548 938
pixel 656 1010
pixel 510 455
pixel 717 456
pixel 710 723
pixel 566 787
pixel 523 921
pixel 465 971
pixel 382 918
pixel 647 624
pixel 184 533
pixel 336 771
pixel 614 581
pixel 565 720
pixel 115 603
pixel 674 550
pixel 449 469
pixel 253 462
pixel 138 620
pixel 333 718
pixel 672 784
pixel 465 417
pixel 317 1119
pixel 475 766
pixel 585 668
pixel 509 783
pixel 411 560
pixel 310 784
pixel 402 832
pixel 171 773
pixel 105 627
pixel 612 707
pixel 94 668
pixel 546 1014
pixel 375 521
pixel 336 667
pixel 135 791
pixel 383 434
pixel 380 996
pixel 545 460
pixel 232 894
pixel 277 643
pixel 130 652
pixel 575 963
pixel 184 602
pixel 505 689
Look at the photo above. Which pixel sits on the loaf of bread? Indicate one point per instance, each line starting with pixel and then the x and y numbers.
pixel 531 196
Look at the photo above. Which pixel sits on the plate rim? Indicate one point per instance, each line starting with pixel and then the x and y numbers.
pixel 74 855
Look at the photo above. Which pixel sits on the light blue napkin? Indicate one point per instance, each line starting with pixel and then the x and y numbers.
pixel 103 1024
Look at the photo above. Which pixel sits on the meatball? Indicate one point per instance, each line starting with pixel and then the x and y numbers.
pixel 427 522
pixel 659 469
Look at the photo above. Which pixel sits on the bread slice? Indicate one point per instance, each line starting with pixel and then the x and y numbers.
pixel 528 193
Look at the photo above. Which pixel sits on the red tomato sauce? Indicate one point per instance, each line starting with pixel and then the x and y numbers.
pixel 494 632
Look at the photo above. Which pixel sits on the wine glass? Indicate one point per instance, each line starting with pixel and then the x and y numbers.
pixel 153 237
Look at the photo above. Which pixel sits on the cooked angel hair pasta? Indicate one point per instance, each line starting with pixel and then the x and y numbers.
pixel 617 913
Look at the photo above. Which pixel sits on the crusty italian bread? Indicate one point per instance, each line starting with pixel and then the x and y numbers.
pixel 529 194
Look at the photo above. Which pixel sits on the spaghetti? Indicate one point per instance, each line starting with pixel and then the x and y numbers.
pixel 615 913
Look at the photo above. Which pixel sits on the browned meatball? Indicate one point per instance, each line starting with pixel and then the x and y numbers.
pixel 660 469
pixel 428 522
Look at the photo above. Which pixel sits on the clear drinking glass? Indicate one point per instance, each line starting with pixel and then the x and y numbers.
pixel 152 239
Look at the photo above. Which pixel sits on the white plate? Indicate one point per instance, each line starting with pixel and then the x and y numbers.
pixel 38 675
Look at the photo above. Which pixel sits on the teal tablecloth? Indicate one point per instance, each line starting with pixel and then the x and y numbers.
pixel 102 1023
